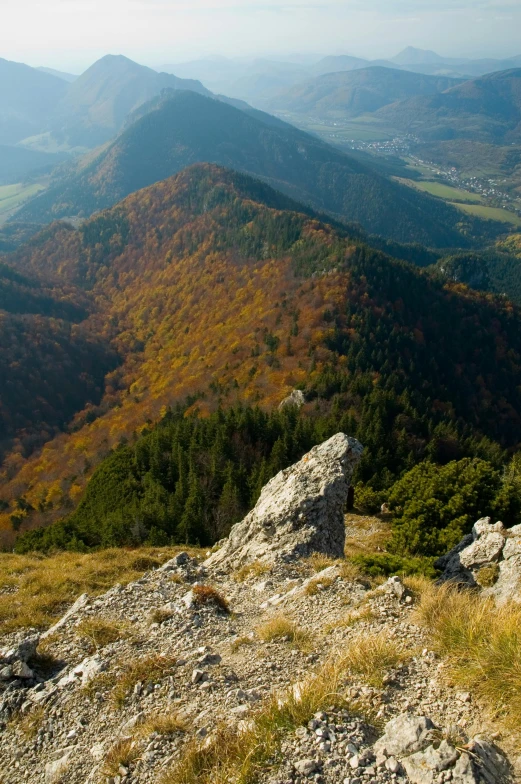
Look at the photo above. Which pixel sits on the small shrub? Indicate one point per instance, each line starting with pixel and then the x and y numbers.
pixel 367 500
pixel 206 594
pixel 254 569
pixel 386 564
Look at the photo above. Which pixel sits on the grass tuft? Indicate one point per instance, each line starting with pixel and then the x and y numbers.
pixel 319 561
pixel 30 722
pixel 282 629
pixel 164 724
pixel 370 656
pixel 318 584
pixel 365 613
pixel 160 615
pixel 207 594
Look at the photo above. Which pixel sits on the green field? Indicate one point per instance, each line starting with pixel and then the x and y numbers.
pixel 490 213
pixel 12 196
pixel 447 191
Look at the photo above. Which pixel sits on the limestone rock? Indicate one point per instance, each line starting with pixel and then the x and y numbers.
pixel 484 526
pixel 55 771
pixel 300 511
pixel 296 398
pixel 484 550
pixel 404 734
pixel 424 766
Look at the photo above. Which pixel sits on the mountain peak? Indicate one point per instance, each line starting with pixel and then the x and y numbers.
pixel 410 56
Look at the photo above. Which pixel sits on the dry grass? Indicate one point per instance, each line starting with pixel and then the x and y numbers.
pixel 243 757
pixel 30 722
pixel 481 644
pixel 372 535
pixel 122 753
pixel 100 631
pixel 282 629
pixel 488 575
pixel 163 724
pixel 370 656
pixel 35 590
pixel 364 614
pixel 254 569
pixel 207 594
pixel 147 669
pixel 318 584
pixel 351 572
pixel 417 585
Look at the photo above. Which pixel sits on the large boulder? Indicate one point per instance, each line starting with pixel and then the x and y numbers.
pixel 490 557
pixel 300 511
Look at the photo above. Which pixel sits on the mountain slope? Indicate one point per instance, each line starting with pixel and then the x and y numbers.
pixel 486 109
pixel 212 286
pixel 98 102
pixel 16 163
pixel 189 128
pixel 351 93
pixel 50 366
pixel 27 99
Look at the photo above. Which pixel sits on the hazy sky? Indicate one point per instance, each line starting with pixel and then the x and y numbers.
pixel 71 34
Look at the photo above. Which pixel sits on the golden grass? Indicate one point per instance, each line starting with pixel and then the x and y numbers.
pixel 243 757
pixel 207 594
pixel 148 669
pixel 417 585
pixel 41 587
pixel 283 629
pixel 123 752
pixel 481 644
pixel 254 569
pixel 370 656
pixel 163 724
pixel 101 631
pixel 350 572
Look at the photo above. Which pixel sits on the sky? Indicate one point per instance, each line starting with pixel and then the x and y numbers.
pixel 71 34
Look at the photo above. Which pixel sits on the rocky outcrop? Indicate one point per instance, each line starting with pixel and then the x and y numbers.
pixel 489 557
pixel 300 511
pixel 296 398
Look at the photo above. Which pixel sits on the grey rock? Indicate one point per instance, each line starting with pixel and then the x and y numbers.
pixel 296 398
pixel 78 605
pixel 404 734
pixel 198 675
pixel 22 652
pixel 423 767
pixel 487 549
pixel 484 526
pixel 306 767
pixel 22 670
pixel 300 511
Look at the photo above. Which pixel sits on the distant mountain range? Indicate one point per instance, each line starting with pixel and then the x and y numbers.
pixel 259 81
pixel 28 99
pixel 351 93
pixel 186 128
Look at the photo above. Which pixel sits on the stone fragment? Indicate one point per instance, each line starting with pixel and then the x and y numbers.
pixel 306 767
pixel 423 767
pixel 56 769
pixel 484 526
pixel 404 734
pixel 300 511
pixel 22 670
pixel 296 398
pixel 484 550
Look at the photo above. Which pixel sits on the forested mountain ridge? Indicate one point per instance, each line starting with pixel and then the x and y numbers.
pixel 50 365
pixel 97 103
pixel 351 93
pixel 211 286
pixel 187 128
pixel 487 109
